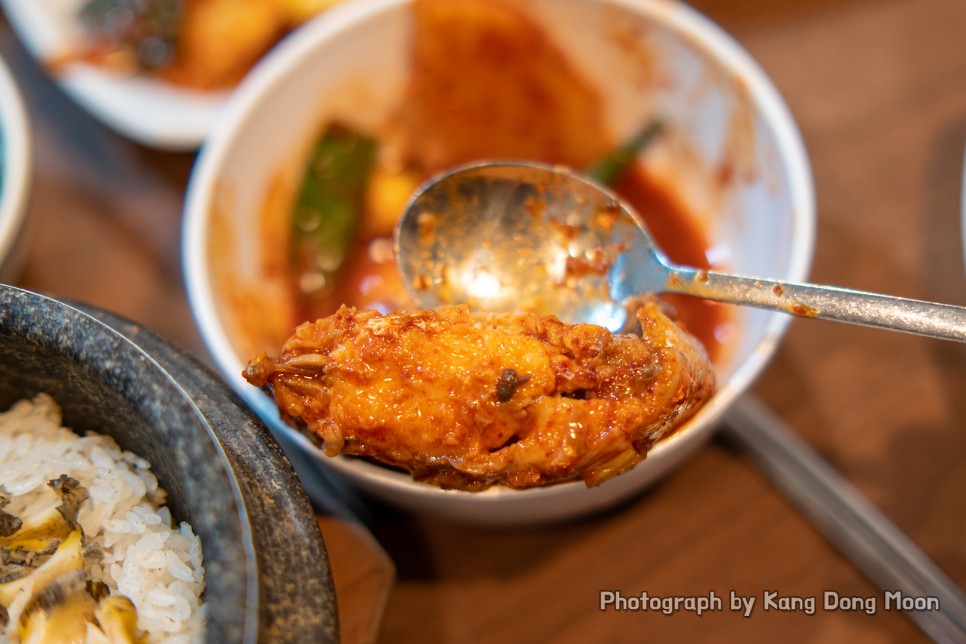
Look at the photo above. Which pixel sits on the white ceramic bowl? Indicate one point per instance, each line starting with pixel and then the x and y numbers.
pixel 723 112
pixel 15 173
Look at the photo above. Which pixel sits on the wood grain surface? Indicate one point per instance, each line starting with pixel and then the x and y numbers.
pixel 878 88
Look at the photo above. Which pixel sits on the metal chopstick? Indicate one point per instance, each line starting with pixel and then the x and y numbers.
pixel 874 544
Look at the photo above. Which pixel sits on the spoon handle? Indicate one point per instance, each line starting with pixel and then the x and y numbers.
pixel 944 321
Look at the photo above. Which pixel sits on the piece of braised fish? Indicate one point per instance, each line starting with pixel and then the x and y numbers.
pixel 468 400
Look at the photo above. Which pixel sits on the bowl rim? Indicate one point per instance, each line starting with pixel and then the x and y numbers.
pixel 17 163
pixel 686 22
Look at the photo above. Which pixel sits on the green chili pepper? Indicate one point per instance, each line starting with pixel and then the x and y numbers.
pixel 609 170
pixel 329 205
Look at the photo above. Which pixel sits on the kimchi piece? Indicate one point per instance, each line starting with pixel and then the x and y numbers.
pixel 488 82
pixel 467 400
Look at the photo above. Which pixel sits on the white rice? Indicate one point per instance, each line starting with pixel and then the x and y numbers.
pixel 157 566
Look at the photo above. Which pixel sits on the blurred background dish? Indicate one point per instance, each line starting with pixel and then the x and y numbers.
pixel 267 573
pixel 158 71
pixel 15 173
pixel 730 170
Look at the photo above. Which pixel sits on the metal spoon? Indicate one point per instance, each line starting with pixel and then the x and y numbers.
pixel 504 235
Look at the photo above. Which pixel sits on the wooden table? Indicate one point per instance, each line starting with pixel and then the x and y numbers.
pixel 879 90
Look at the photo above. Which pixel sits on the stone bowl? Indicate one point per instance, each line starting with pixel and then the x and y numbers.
pixel 267 570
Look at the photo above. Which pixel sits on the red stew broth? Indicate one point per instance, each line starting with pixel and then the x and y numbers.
pixel 370 278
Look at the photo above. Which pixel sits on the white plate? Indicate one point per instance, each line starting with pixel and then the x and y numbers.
pixel 157 114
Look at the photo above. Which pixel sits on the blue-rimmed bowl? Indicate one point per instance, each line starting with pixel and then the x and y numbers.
pixel 15 173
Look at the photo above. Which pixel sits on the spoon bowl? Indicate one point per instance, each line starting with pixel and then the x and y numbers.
pixel 504 235
pixel 500 236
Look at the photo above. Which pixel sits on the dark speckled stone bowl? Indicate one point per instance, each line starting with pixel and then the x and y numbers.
pixel 266 567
